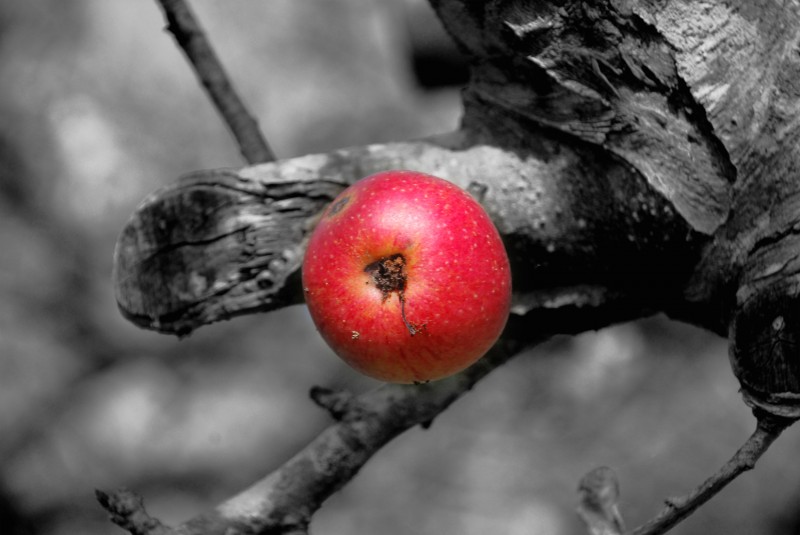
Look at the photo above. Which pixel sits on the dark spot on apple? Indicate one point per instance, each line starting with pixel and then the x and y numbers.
pixel 338 205
pixel 389 275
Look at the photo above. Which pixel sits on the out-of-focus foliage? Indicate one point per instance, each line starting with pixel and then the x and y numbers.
pixel 97 108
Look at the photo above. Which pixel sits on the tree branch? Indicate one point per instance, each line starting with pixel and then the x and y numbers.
pixel 285 499
pixel 599 489
pixel 768 428
pixel 192 40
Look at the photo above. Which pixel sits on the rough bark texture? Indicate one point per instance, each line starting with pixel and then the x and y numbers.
pixel 215 245
pixel 223 243
pixel 636 157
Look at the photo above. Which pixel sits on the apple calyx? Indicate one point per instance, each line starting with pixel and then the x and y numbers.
pixel 389 275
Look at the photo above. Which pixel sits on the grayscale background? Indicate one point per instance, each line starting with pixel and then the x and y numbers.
pixel 98 108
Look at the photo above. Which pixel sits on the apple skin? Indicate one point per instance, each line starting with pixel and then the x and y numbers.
pixel 454 297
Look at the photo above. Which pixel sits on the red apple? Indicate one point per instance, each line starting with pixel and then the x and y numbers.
pixel 406 277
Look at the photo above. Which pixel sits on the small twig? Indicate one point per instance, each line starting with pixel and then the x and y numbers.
pixel 768 428
pixel 191 38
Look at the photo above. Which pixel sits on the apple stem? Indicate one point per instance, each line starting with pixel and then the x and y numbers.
pixel 409 326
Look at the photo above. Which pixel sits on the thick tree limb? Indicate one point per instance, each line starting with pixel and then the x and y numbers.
pixel 209 70
pixel 224 243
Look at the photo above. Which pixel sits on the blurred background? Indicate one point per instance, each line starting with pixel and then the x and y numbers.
pixel 98 108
